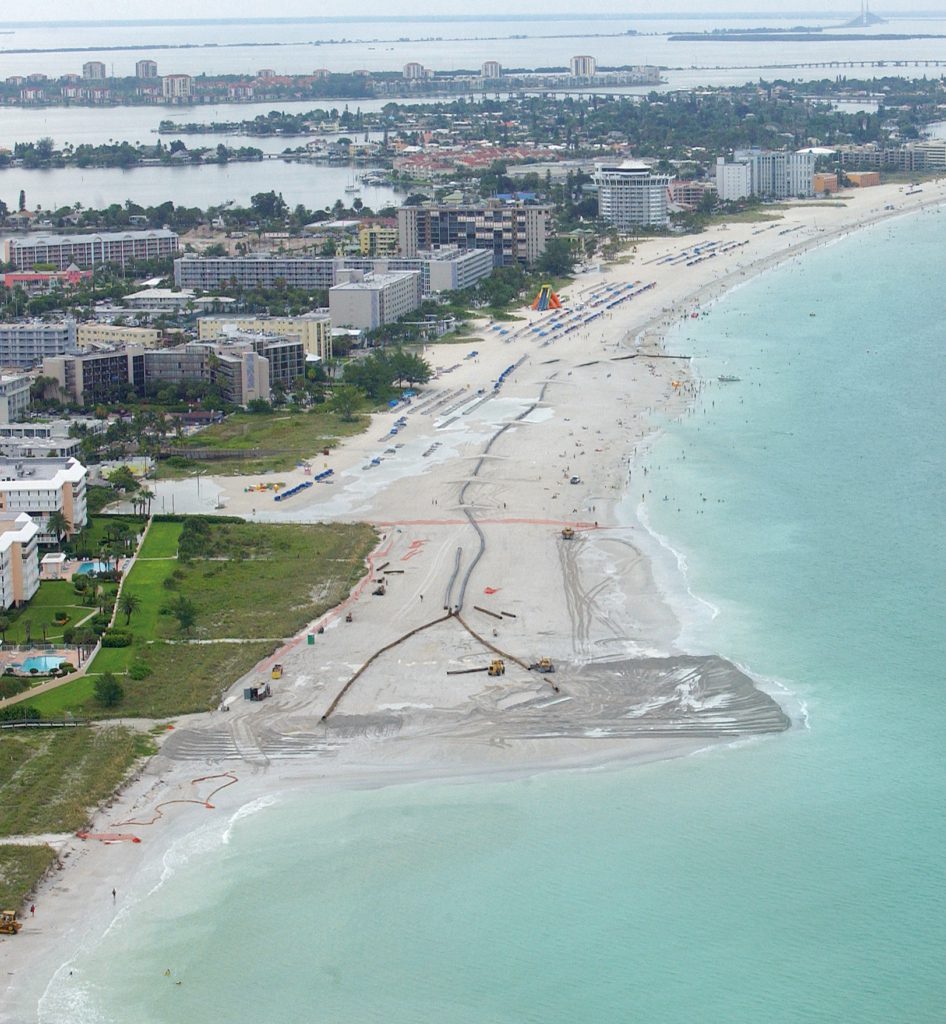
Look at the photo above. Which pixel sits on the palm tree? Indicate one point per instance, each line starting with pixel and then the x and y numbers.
pixel 146 497
pixel 59 525
pixel 128 604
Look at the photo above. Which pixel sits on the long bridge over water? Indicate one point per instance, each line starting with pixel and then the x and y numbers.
pixel 914 63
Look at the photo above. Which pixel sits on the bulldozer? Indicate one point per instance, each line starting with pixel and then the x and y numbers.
pixel 568 533
pixel 8 922
pixel 542 665
pixel 497 667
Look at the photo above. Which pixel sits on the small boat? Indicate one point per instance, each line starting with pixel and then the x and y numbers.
pixel 728 378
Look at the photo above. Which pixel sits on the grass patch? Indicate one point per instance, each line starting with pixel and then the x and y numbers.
pixel 292 436
pixel 502 314
pixel 21 868
pixel 247 581
pixel 185 679
pixel 50 779
pixel 53 596
pixel 745 217
pixel 287 575
pixel 70 698
pixel 161 541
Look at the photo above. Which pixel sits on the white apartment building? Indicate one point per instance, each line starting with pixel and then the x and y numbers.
pixel 631 195
pixel 370 301
pixel 19 559
pixel 583 66
pixel 775 174
pixel 413 71
pixel 733 181
pixel 88 250
pixel 40 487
pixel 28 344
pixel 146 69
pixel 176 88
pixel 491 69
pixel 442 267
pixel 94 71
pixel 14 397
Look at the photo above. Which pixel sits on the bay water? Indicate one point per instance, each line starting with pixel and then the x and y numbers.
pixel 791 879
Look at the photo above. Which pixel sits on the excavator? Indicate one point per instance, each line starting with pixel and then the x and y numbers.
pixel 497 667
pixel 8 922
pixel 568 533
pixel 543 665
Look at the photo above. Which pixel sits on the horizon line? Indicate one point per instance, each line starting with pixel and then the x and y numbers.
pixel 454 18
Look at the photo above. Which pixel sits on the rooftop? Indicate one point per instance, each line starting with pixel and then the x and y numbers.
pixel 99 236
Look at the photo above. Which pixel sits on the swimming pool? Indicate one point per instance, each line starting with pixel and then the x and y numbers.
pixel 41 662
pixel 87 567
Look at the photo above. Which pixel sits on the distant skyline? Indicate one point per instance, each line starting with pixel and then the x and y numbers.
pixel 106 10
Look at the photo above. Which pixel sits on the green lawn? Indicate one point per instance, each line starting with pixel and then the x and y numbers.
pixel 287 575
pixel 50 779
pixel 184 679
pixel 161 541
pixel 71 697
pixel 146 582
pixel 52 596
pixel 21 867
pixel 294 436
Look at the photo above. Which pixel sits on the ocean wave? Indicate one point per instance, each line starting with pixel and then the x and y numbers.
pixel 247 811
pixel 67 999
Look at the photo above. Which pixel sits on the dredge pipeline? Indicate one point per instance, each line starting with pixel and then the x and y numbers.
pixel 377 654
pixel 497 650
pixel 453 579
pixel 466 511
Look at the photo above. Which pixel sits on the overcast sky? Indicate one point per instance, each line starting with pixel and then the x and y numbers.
pixel 147 9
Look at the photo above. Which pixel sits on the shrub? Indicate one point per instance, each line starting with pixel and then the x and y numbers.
pixel 80 584
pixel 139 670
pixel 68 634
pixel 66 667
pixel 116 638
pixel 62 617
pixel 19 713
pixel 108 690
pixel 10 686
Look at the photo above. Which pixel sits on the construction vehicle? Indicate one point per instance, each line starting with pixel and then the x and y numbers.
pixel 568 533
pixel 497 667
pixel 543 665
pixel 349 617
pixel 8 922
pixel 255 693
pixel 276 672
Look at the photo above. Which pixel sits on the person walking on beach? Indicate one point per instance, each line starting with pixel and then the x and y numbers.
pixel 32 910
pixel 113 895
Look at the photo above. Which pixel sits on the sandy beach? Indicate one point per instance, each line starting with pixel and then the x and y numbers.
pixel 470 497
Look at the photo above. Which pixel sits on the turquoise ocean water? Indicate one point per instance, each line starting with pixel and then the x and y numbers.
pixel 793 879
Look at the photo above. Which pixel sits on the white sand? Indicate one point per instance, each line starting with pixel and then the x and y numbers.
pixel 590 604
